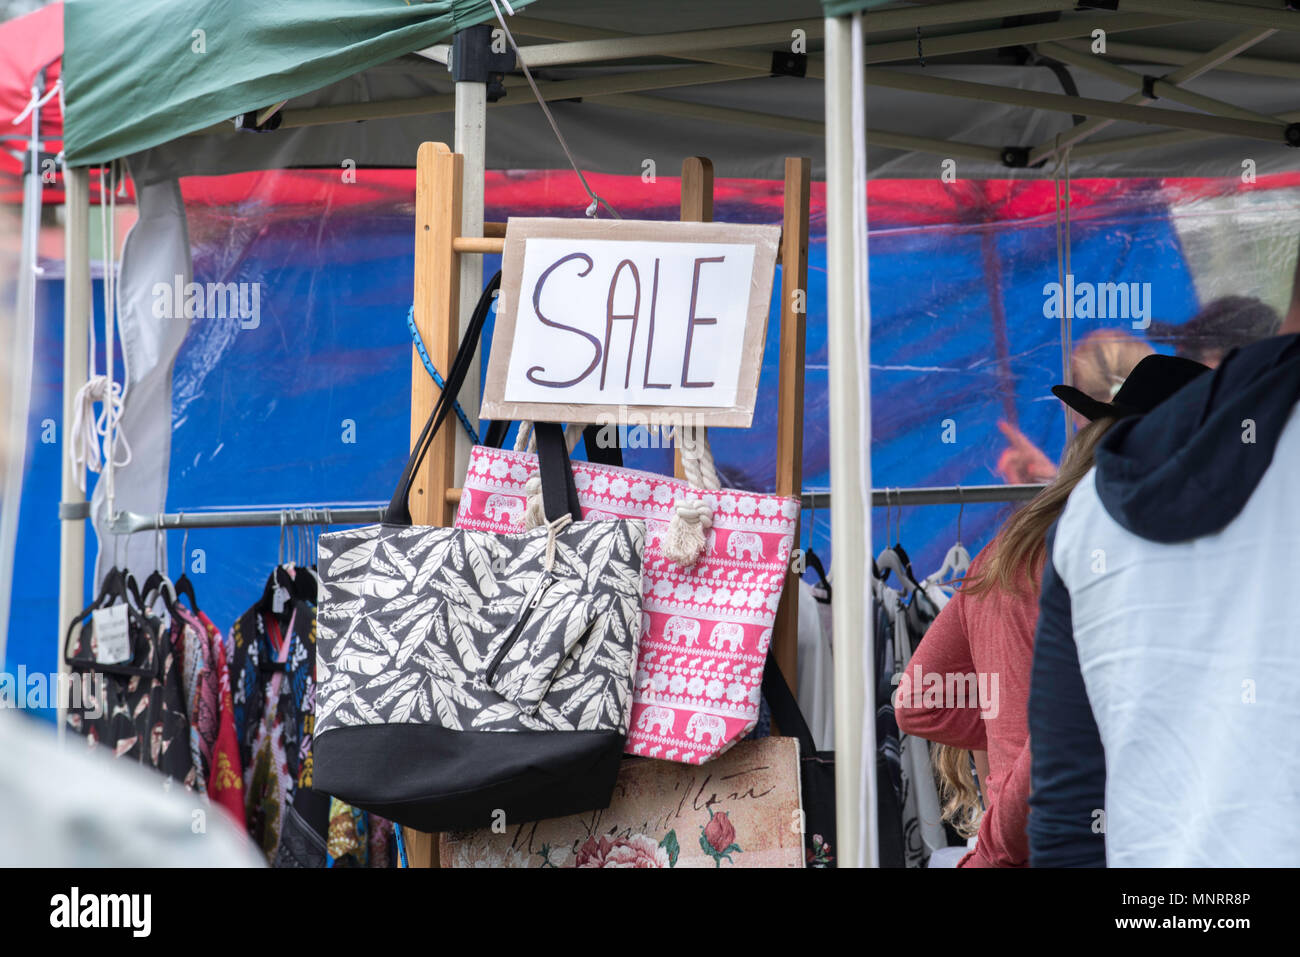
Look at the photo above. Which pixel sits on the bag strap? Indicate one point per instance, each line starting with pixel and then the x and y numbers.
pixel 785 709
pixel 598 454
pixel 495 438
pixel 559 493
pixel 398 512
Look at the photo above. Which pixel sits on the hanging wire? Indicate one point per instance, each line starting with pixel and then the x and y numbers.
pixel 596 201
pixel 1063 268
pixel 185 543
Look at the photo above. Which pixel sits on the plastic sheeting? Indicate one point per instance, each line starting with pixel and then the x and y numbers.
pixel 307 403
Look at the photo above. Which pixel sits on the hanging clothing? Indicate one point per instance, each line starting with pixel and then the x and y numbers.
pixel 909 813
pixel 889 776
pixel 225 770
pixel 274 698
pixel 358 838
pixel 199 686
pixel 816 692
pixel 138 717
pixel 988 640
pixel 922 811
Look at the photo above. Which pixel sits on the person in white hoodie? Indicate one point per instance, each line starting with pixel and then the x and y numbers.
pixel 1165 698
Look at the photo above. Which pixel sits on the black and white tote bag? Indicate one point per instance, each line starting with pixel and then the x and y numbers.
pixel 463 677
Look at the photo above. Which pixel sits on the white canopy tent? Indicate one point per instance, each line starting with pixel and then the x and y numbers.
pixel 1179 87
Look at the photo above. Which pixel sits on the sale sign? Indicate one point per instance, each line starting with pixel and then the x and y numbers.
pixel 598 317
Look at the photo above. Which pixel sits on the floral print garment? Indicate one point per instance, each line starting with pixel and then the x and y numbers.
pixel 358 838
pixel 225 774
pixel 198 684
pixel 274 699
pixel 138 717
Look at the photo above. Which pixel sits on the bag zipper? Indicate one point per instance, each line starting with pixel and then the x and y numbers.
pixel 534 599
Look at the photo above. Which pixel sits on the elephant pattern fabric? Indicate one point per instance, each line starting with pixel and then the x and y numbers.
pixel 412 620
pixel 705 630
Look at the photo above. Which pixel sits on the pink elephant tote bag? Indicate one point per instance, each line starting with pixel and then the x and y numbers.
pixel 707 612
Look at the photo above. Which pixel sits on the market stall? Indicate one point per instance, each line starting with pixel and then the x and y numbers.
pixel 748 96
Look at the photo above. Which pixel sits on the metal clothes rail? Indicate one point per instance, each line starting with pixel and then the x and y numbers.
pixel 128 523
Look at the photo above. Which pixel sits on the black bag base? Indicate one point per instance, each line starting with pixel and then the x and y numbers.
pixel 529 775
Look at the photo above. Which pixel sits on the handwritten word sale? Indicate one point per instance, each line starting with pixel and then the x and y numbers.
pixel 632 322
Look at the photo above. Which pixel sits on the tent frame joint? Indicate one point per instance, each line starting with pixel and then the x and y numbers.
pixel 473 60
pixel 74 511
pixel 786 63
pixel 1014 157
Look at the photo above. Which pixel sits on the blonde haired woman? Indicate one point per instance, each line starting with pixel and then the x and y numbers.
pixel 987 631
pixel 1099 364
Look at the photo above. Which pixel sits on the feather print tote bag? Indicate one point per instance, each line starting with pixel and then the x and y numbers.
pixel 463 674
pixel 714 566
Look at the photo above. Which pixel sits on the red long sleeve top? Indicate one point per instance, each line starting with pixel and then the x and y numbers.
pixel 992 637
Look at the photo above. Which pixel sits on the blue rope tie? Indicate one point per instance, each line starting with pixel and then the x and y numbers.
pixel 438 379
pixel 401 845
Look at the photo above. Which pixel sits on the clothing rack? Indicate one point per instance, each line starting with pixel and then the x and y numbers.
pixel 946 495
pixel 128 523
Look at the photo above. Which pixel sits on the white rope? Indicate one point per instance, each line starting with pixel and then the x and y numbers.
pixel 596 201
pixel 687 536
pixel 104 389
pixel 552 530
pixel 534 511
pixel 89 432
pixel 37 100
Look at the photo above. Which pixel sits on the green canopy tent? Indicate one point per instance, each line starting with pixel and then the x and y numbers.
pixel 203 63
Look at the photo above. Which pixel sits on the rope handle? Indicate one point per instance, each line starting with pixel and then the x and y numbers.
pixel 686 538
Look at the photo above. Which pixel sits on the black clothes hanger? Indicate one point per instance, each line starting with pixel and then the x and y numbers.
pixel 118 586
pixel 183 585
pixel 186 587
pixel 822 590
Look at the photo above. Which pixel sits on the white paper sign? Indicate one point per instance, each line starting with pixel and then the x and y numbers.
pixel 630 323
pixel 112 636
pixel 664 323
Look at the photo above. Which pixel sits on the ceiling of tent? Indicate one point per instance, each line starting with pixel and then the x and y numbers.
pixel 616 112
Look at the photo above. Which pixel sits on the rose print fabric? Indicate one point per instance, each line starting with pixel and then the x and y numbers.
pixel 705 630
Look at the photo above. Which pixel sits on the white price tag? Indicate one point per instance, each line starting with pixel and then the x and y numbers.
pixel 279 598
pixel 112 637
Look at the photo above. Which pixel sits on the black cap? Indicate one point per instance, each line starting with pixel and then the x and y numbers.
pixel 1152 380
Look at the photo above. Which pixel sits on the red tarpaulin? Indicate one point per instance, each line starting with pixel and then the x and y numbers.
pixel 29 46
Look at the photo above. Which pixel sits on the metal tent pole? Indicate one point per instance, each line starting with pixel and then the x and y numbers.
pixel 1142 53
pixel 1210 60
pixel 73 509
pixel 850 433
pixel 13 448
